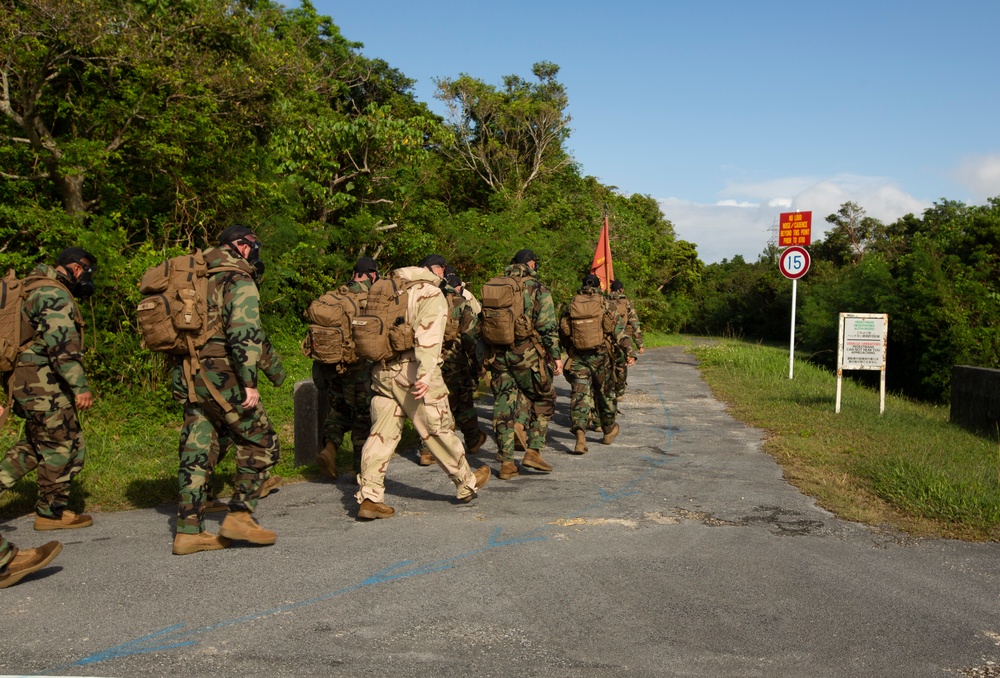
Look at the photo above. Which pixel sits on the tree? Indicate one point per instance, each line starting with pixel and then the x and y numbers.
pixel 853 234
pixel 509 136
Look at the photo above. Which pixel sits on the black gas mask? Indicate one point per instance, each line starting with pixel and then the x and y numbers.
pixel 253 258
pixel 83 284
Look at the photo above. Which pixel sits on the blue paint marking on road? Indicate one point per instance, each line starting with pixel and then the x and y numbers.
pixel 175 636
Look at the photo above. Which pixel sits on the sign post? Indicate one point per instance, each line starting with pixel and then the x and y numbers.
pixel 793 264
pixel 861 345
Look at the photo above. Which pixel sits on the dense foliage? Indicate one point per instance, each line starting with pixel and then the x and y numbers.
pixel 142 128
pixel 937 276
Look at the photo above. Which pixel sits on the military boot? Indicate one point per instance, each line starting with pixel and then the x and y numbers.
pixel 508 470
pixel 370 510
pixel 532 459
pixel 327 460
pixel 426 458
pixel 581 442
pixel 270 485
pixel 475 441
pixel 610 434
pixel 68 521
pixel 482 475
pixel 186 544
pixel 520 438
pixel 26 561
pixel 241 525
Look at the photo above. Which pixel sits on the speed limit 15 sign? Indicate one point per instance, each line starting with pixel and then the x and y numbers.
pixel 794 262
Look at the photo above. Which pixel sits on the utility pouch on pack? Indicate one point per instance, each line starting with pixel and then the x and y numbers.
pixel 586 319
pixel 12 295
pixel 381 332
pixel 173 315
pixel 330 339
pixel 503 319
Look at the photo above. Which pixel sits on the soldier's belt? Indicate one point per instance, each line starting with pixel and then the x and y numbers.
pixel 33 358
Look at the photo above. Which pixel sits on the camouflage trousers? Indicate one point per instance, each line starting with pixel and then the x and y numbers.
pixel 621 376
pixel 53 444
pixel 591 378
pixel 461 398
pixel 7 552
pixel 392 402
pixel 350 397
pixel 523 393
pixel 204 424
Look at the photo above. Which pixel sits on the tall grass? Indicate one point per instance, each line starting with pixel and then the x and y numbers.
pixel 909 466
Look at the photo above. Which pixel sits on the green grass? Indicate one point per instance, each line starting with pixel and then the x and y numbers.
pixel 909 467
pixel 658 339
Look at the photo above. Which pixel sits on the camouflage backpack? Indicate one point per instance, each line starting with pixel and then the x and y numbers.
pixel 381 332
pixel 330 339
pixel 586 321
pixel 503 319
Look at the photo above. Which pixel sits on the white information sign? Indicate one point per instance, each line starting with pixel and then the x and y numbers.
pixel 862 346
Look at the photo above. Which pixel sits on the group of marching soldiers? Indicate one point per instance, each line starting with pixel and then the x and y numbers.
pixel 520 375
pixel 430 379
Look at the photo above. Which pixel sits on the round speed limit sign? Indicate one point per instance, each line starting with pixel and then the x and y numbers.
pixel 794 262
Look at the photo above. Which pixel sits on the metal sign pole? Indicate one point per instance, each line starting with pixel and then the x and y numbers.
pixel 791 342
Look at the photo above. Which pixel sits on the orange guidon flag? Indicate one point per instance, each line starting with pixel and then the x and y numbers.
pixel 601 266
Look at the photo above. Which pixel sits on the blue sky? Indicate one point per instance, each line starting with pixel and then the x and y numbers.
pixel 731 112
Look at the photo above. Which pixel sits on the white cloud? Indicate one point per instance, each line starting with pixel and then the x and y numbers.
pixel 742 222
pixel 981 175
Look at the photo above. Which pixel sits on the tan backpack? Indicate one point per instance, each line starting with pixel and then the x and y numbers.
pixel 173 315
pixel 586 321
pixel 381 332
pixel 330 339
pixel 503 319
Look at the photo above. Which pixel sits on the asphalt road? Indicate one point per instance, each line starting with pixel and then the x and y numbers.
pixel 676 551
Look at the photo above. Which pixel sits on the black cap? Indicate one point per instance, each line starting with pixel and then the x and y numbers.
pixel 616 286
pixel 366 265
pixel 523 257
pixel 75 255
pixel 433 260
pixel 591 280
pixel 234 233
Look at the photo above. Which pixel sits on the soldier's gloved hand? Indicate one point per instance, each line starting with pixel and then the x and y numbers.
pixel 84 400
pixel 253 397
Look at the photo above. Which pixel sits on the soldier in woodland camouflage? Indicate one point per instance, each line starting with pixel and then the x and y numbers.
pixel 231 362
pixel 48 386
pixel 521 375
pixel 591 372
pixel 623 305
pixel 348 390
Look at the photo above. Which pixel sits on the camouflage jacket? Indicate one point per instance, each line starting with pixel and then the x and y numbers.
pixel 58 330
pixel 234 307
pixel 539 308
pixel 632 326
pixel 619 336
pixel 463 348
pixel 427 314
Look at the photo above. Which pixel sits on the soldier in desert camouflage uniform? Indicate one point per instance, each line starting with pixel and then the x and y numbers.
pixel 347 389
pixel 591 372
pixel 231 361
pixel 48 386
pixel 623 306
pixel 521 375
pixel 410 385
pixel 459 358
